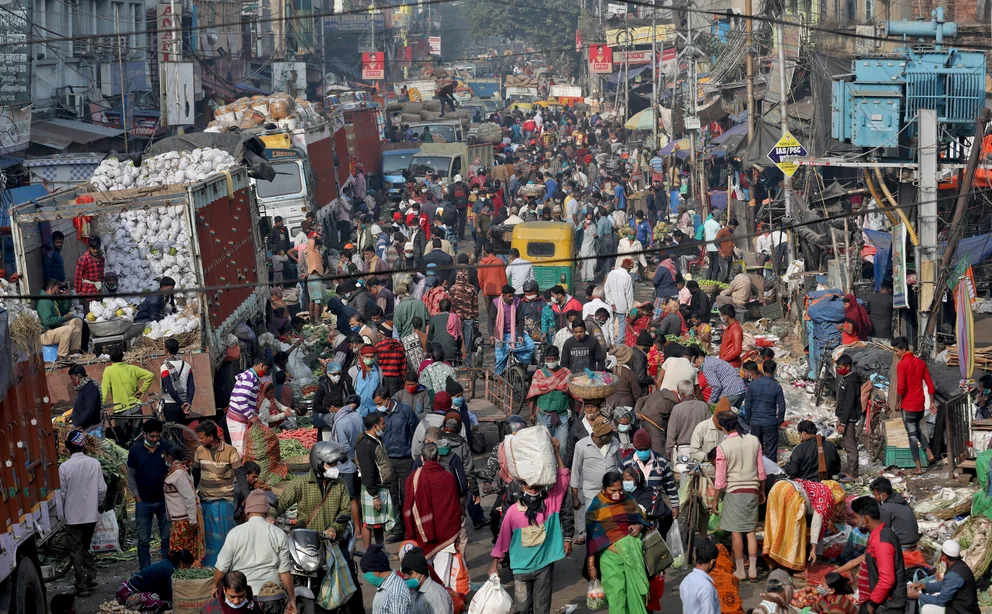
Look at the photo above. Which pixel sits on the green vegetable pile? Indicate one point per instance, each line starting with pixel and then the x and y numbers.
pixel 709 282
pixel 289 448
pixel 685 341
pixel 304 422
pixel 193 573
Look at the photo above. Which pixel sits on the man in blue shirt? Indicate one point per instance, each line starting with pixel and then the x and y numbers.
pixel 643 228
pixel 765 404
pixel 724 380
pixel 697 591
pixel 54 264
pixel 146 471
pixel 657 163
pixel 550 187
pixel 621 194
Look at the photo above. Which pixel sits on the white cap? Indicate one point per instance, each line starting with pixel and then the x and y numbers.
pixel 951 548
pixel 458 178
pixel 408 247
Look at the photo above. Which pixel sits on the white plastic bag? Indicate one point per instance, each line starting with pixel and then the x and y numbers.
pixel 530 457
pixel 674 541
pixel 491 599
pixel 106 534
pixel 595 595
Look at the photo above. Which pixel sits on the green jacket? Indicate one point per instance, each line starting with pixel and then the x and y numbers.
pixel 405 311
pixel 49 313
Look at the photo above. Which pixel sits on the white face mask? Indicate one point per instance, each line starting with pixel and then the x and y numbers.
pixel 553 365
pixel 335 378
pixel 331 473
pixel 235 606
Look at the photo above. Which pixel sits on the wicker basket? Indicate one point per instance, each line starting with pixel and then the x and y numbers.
pixel 960 509
pixel 592 392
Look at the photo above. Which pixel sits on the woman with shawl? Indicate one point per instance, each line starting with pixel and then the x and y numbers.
pixel 786 532
pixel 271 411
pixel 637 320
pixel 183 505
pixel 858 316
pixel 433 297
pixel 623 417
pixel 614 522
pixel 836 596
pixel 658 515
pixel 627 388
pixel 367 380
pixel 586 238
pixel 726 583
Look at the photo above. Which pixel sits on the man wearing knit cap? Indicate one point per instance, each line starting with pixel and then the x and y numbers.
pixel 392 595
pixel 658 476
pixel 435 418
pixel 426 592
pixel 259 550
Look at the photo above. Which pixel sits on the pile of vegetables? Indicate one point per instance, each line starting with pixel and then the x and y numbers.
pixel 686 341
pixel 112 607
pixel 288 448
pixel 110 309
pixel 805 597
pixel 709 282
pixel 307 437
pixel 304 422
pixel 193 573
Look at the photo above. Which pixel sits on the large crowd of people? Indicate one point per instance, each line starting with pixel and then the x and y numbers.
pixel 406 287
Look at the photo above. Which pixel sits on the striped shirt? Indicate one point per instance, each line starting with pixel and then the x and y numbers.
pixel 392 358
pixel 244 397
pixel 724 379
pixel 217 467
pixel 392 596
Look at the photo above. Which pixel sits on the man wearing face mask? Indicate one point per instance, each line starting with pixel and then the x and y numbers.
pixel 593 457
pixel 536 534
pixel 548 396
pixel 656 470
pixel 376 472
pixel 333 389
pixel 243 407
pixel 146 470
pixel 400 425
pixel 582 351
pixel 427 595
pixel 321 498
pixel 532 308
pixel 391 591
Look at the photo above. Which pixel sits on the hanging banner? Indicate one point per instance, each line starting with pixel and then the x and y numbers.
pixel 899 289
pixel 434 43
pixel 600 59
pixel 372 65
pixel 965 333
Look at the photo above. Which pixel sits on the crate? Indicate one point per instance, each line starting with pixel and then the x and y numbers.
pixel 902 458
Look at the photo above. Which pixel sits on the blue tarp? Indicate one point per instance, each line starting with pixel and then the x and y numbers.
pixel 718 199
pixel 9 198
pixel 977 248
pixel 882 241
pixel 631 73
pixel 822 329
pixel 739 129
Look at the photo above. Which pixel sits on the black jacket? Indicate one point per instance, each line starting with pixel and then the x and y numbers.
pixel 898 516
pixel 700 302
pixel 279 240
pixel 444 264
pixel 86 409
pixel 330 394
pixel 365 448
pixel 897 598
pixel 803 462
pixel 849 398
pixel 965 599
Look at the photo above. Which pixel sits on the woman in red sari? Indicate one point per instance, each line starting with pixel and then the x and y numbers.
pixel 637 320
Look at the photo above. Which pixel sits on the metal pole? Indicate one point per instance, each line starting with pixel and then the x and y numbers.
pixel 120 65
pixel 926 221
pixel 784 112
pixel 750 73
pixel 654 77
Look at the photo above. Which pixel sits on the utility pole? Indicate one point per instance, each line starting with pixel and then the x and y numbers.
pixel 120 66
pixel 655 115
pixel 783 111
pixel 750 72
pixel 926 221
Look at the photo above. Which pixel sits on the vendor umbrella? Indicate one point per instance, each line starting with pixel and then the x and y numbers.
pixel 642 120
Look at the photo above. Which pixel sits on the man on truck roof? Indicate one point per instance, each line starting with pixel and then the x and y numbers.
pixel 88 277
pixel 62 329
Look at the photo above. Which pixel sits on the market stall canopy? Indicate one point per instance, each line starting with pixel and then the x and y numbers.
pixel 61 133
pixel 683 145
pixel 644 120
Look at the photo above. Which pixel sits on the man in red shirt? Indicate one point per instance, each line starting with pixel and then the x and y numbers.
pixel 912 374
pixel 725 246
pixel 88 278
pixel 882 577
pixel 732 342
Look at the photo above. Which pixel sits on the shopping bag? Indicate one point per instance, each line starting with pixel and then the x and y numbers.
pixel 674 542
pixel 189 596
pixel 106 534
pixel 595 595
pixel 338 585
pixel 491 599
pixel 657 557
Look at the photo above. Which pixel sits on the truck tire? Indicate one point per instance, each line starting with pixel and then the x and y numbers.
pixel 29 592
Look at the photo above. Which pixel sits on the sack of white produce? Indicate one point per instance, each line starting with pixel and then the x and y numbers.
pixel 530 456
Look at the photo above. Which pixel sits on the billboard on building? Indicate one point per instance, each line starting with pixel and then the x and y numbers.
pixel 373 65
pixel 600 59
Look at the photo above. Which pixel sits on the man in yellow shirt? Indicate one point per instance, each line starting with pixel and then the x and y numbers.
pixel 125 384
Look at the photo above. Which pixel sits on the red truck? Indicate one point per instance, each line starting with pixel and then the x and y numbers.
pixel 31 510
pixel 357 140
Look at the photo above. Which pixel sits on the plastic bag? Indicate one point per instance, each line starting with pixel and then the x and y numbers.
pixel 674 541
pixel 530 457
pixel 491 599
pixel 106 534
pixel 595 595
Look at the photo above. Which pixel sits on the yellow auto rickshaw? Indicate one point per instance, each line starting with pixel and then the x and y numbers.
pixel 550 248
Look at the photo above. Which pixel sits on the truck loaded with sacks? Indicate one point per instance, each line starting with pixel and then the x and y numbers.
pixel 187 212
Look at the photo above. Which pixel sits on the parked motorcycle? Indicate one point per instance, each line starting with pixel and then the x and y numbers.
pixel 309 551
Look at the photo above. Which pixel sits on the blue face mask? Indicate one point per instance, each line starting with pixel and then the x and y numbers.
pixel 644 455
pixel 412 583
pixel 373 579
pixel 629 486
pixel 457 401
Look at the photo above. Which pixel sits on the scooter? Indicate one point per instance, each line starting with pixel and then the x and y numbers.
pixel 309 551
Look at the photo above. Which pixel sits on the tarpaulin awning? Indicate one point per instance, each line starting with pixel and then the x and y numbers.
pixel 60 133
pixel 668 149
pixel 718 199
pixel 977 248
pixel 8 160
pixel 631 73
pixel 16 196
pixel 737 130
pixel 248 88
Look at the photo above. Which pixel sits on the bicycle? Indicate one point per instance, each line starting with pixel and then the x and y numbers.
pixel 689 515
pixel 172 432
pixel 516 375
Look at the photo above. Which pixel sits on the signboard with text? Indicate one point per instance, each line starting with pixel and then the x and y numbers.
pixel 373 66
pixel 169 32
pixel 15 79
pixel 15 128
pixel 357 22
pixel 600 59
pixel 900 289
pixel 787 147
pixel 633 57
pixel 434 42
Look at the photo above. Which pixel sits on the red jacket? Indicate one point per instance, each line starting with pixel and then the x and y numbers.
pixel 492 276
pixel 732 344
pixel 912 373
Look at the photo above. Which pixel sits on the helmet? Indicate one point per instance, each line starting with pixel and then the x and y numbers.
pixel 531 286
pixel 515 423
pixel 329 452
